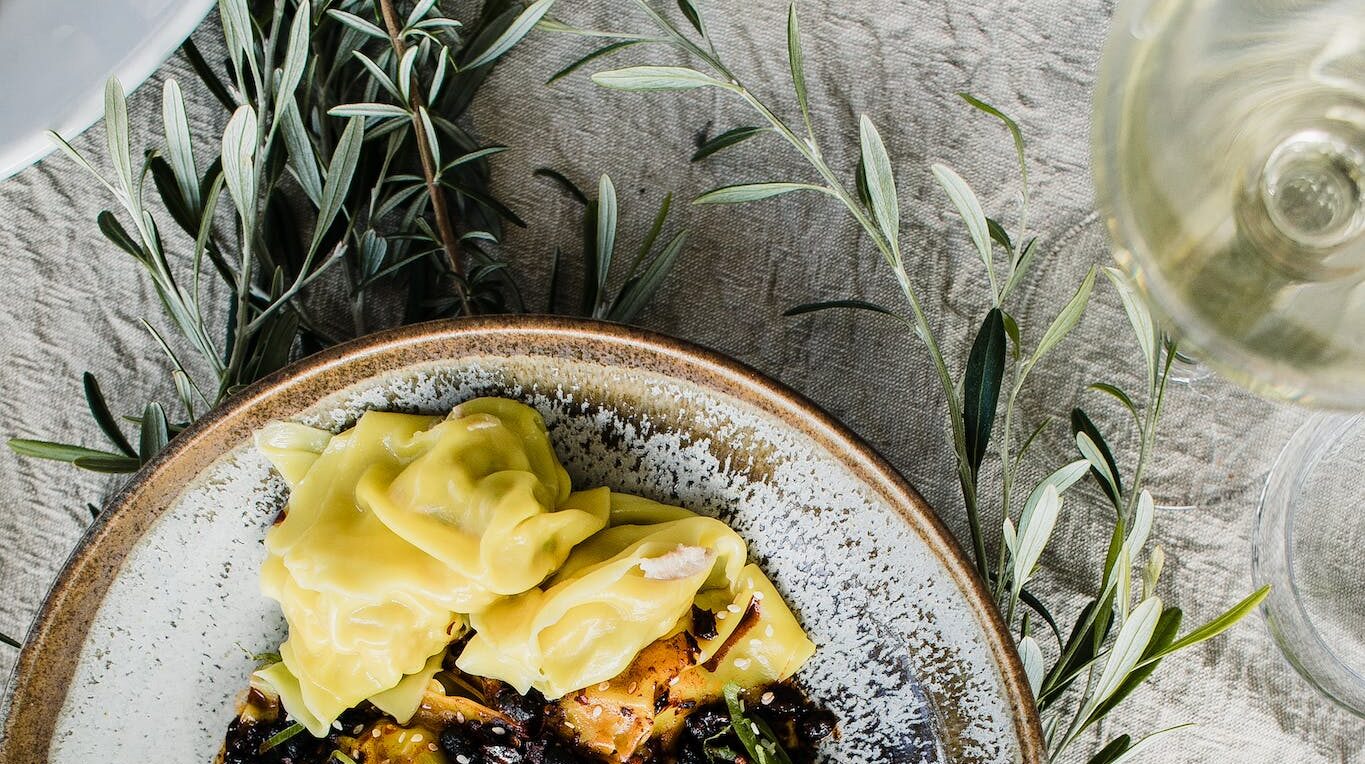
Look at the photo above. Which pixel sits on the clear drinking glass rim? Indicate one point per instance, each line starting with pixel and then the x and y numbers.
pixel 1284 612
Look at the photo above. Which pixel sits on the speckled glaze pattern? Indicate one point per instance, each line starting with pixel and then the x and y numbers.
pixel 148 634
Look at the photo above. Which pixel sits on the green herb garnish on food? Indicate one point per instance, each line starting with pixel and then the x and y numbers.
pixel 756 736
pixel 281 736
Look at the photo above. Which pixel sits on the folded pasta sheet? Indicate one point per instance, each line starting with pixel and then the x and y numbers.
pixel 400 525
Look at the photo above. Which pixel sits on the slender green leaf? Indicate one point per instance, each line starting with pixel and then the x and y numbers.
pixel 380 76
pixel 116 136
pixel 383 110
pixel 569 186
pixel 1027 255
pixel 651 236
pixel 812 307
pixel 1215 627
pixel 693 16
pixel 239 151
pixel 519 28
pixel 236 19
pixel 647 78
pixel 1031 654
pixel 1036 605
pixel 1111 752
pixel 1142 742
pixel 113 465
pixel 727 139
pixel 796 59
pixel 155 432
pixel 1130 644
pixel 1166 628
pixel 116 233
pixel 99 409
pixel 1093 446
pixel 1142 521
pixel 606 230
pixel 591 295
pixel 302 160
pixel 357 23
pixel 337 184
pixel 753 734
pixel 753 192
pixel 1118 395
pixel 981 386
pixel 1010 124
pixel 1144 328
pixel 1036 524
pixel 999 235
pixel 438 80
pixel 179 148
pixel 602 52
pixel 405 67
pixel 281 736
pixel 1067 319
pixel 969 207
pixel 881 183
pixel 295 53
pixel 11 641
pixel 58 452
pixel 638 292
pixel 419 12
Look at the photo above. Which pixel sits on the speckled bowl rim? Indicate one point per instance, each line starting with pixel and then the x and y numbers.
pixel 42 675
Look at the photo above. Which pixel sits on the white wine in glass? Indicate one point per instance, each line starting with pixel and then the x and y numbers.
pixel 1230 164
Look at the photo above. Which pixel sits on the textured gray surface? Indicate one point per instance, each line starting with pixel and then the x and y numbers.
pixel 69 302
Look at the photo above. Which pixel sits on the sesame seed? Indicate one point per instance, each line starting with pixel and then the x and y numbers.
pixel 766 699
pixel 336 725
pixel 596 711
pixel 758 596
pixel 462 759
pixel 632 688
pixel 402 736
pixel 768 632
pixel 754 727
pixel 459 717
pixel 359 728
pixel 432 747
pixel 497 730
pixel 674 681
pixel 732 607
pixel 374 732
pixel 721 615
pixel 742 663
pixel 604 686
pixel 757 644
pixel 417 737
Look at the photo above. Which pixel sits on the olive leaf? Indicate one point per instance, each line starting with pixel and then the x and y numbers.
pixel 753 192
pixel 727 139
pixel 981 386
pixel 646 78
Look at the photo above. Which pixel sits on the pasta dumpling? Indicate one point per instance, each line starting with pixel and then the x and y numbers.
pixel 397 527
pixel 608 602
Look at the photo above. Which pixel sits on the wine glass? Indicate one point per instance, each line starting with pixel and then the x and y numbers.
pixel 1230 166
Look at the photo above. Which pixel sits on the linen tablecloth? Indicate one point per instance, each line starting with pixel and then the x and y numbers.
pixel 69 302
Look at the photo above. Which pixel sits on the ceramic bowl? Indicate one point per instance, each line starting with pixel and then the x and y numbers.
pixel 58 54
pixel 147 635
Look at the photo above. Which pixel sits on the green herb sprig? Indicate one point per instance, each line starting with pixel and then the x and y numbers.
pixel 1126 631
pixel 342 153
